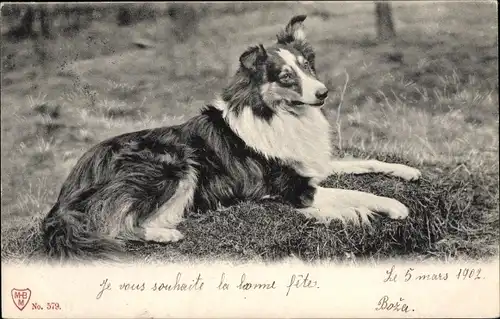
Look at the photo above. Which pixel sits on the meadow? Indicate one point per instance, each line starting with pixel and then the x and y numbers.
pixel 436 109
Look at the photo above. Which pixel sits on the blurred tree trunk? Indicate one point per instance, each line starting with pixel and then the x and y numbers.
pixel 185 19
pixel 386 33
pixel 26 23
pixel 45 22
pixel 124 16
pixel 385 24
pixel 25 27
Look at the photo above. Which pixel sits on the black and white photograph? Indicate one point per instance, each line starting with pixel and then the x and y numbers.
pixel 166 133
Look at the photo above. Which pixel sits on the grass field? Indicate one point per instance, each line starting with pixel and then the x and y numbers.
pixel 437 111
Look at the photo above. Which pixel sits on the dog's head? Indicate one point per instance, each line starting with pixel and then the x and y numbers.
pixel 285 72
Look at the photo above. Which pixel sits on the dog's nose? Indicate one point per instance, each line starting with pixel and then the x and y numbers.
pixel 322 93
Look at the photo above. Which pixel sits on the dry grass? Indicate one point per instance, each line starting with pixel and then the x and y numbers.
pixel 438 111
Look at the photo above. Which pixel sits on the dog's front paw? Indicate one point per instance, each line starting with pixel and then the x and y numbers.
pixel 405 172
pixel 162 235
pixel 394 209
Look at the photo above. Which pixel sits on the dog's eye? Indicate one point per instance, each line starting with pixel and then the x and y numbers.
pixel 285 77
pixel 308 66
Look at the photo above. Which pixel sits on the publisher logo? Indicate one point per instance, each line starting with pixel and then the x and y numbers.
pixel 21 297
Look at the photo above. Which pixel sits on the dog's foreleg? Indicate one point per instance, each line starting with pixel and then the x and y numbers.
pixel 374 166
pixel 350 205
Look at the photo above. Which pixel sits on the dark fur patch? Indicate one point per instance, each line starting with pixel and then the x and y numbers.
pixel 243 91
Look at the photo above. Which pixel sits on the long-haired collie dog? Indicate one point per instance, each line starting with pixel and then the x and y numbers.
pixel 265 136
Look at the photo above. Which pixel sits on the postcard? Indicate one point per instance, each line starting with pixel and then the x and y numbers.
pixel 250 159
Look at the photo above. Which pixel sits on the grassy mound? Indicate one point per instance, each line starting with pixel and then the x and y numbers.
pixel 451 217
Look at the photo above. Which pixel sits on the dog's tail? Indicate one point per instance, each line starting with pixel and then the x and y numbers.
pixel 70 234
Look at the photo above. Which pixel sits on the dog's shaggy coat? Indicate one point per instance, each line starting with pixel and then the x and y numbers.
pixel 266 136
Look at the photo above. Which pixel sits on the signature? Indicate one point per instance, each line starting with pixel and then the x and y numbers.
pixel 388 305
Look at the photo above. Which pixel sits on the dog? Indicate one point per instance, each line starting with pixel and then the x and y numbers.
pixel 265 135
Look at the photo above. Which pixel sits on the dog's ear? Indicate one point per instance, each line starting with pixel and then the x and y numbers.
pixel 253 57
pixel 294 30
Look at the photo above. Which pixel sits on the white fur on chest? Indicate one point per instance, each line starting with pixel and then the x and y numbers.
pixel 301 141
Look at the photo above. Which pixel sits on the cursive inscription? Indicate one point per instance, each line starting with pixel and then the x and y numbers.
pixel 415 275
pixel 301 281
pixel 105 285
pixel 245 285
pixel 389 305
pixel 181 284
pixel 390 275
pixel 195 284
